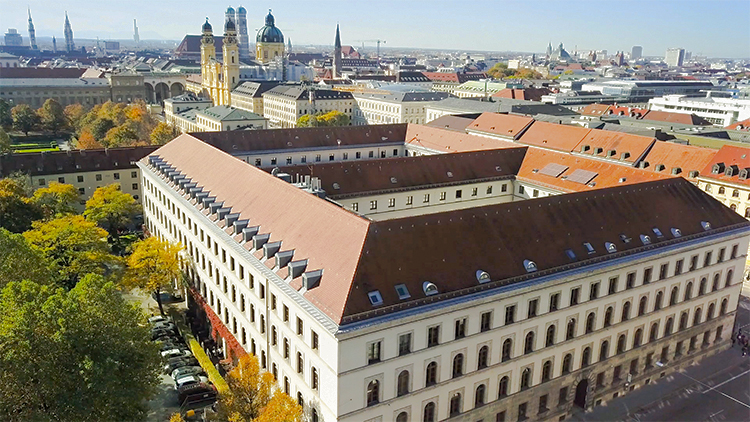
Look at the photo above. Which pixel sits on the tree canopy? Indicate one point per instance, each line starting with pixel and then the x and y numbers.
pixel 5 145
pixel 112 124
pixel 78 355
pixel 25 119
pixel 111 208
pixel 17 211
pixel 52 116
pixel 162 134
pixel 332 118
pixel 20 261
pixel 56 199
pixel 153 266
pixel 6 118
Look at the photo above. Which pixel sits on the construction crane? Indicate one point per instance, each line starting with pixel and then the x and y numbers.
pixel 373 41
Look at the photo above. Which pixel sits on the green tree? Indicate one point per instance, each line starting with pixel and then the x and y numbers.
pixel 25 118
pixel 100 127
pixel 334 118
pixel 121 136
pixel 79 355
pixel 5 145
pixel 74 113
pixel 17 211
pixel 20 261
pixel 162 133
pixel 52 116
pixel 307 121
pixel 111 208
pixel 500 70
pixel 6 118
pixel 75 246
pixel 153 267
pixel 56 199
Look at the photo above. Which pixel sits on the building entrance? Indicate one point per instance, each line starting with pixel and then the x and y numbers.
pixel 581 391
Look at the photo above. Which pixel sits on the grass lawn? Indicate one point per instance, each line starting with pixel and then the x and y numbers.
pixel 35 149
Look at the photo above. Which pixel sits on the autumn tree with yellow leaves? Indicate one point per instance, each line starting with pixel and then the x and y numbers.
pixel 153 267
pixel 57 199
pixel 111 208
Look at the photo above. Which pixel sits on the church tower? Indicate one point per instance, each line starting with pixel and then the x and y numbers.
pixel 32 33
pixel 269 43
pixel 208 59
pixel 337 55
pixel 231 67
pixel 242 36
pixel 69 44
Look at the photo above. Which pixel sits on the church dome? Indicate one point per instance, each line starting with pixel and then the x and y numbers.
pixel 270 33
pixel 207 27
pixel 242 10
pixel 229 26
pixel 230 10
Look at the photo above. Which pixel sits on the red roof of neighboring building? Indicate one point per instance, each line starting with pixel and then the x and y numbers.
pixel 454 77
pixel 738 158
pixel 443 140
pixel 529 94
pixel 686 119
pixel 686 158
pixel 743 125
pixel 505 125
pixel 553 136
pixel 595 110
pixel 605 143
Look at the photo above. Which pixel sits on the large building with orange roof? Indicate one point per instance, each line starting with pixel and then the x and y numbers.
pixel 725 177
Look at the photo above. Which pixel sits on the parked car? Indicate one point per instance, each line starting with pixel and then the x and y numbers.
pixel 173 343
pixel 174 353
pixel 168 297
pixel 179 362
pixel 189 379
pixel 187 370
pixel 164 325
pixel 202 392
pixel 162 335
pixel 158 318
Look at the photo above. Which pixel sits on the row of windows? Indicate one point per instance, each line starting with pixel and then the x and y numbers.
pixel 409 200
pixel 98 177
pixel 318 157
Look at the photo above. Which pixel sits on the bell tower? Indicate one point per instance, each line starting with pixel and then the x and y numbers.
pixel 231 67
pixel 208 53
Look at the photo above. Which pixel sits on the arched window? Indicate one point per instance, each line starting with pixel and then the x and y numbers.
pixel 668 326
pixel 723 308
pixel 721 190
pixel 747 211
pixel 586 357
pixel 637 338
pixel 315 417
pixel 506 352
pixel 528 344
pixel 566 363
pixel 673 296
pixel 458 365
pixel 525 378
pixel 403 383
pixel 604 351
pixel 654 333
pixel 550 339
pixel 455 405
pixel 300 399
pixel 373 392
pixel 402 417
pixel 642 305
pixel 590 322
pixel 702 287
pixel 711 310
pixel 608 317
pixel 502 388
pixel 625 311
pixel 431 374
pixel 547 371
pixel 697 317
pixel 658 300
pixel 479 395
pixel 571 330
pixel 483 358
pixel 314 378
pixel 728 281
pixel 733 207
pixel 715 285
pixel 429 412
pixel 688 291
pixel 621 343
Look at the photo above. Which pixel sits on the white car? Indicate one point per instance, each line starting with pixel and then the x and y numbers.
pixel 189 379
pixel 175 353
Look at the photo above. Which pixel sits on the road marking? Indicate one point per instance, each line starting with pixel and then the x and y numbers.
pixel 730 379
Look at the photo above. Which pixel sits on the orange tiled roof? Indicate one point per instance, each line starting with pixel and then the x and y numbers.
pixel 529 94
pixel 444 140
pixel 505 125
pixel 736 158
pixel 665 116
pixel 595 110
pixel 686 158
pixel 743 125
pixel 554 136
pixel 602 143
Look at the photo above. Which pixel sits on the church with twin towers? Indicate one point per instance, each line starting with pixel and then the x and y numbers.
pixel 239 17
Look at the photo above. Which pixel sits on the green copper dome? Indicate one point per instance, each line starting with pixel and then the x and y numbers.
pixel 269 33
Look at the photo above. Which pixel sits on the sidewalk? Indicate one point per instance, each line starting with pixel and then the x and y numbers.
pixel 652 396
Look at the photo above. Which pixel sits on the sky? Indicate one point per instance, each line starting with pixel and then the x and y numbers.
pixel 715 28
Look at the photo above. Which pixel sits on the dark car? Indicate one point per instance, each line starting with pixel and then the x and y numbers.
pixel 179 362
pixel 196 393
pixel 172 343
pixel 167 297
pixel 163 335
pixel 164 326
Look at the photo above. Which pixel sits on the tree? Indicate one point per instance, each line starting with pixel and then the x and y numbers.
pixel 52 116
pixel 307 121
pixel 500 70
pixel 74 113
pixel 20 261
pixel 75 246
pixel 100 127
pixel 120 136
pixel 6 119
pixel 162 133
pixel 153 267
pixel 87 141
pixel 334 118
pixel 56 199
pixel 79 355
pixel 176 417
pixel 253 396
pixel 111 208
pixel 5 145
pixel 16 209
pixel 25 118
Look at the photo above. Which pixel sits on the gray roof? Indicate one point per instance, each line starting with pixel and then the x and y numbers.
pixel 224 113
pixel 463 105
pixel 188 97
pixel 402 97
pixel 296 92
pixel 255 89
pixel 54 82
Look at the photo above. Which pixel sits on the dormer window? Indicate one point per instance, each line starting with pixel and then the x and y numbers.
pixel 731 170
pixel 676 170
pixel 483 276
pixel 706 225
pixel 660 167
pixel 589 248
pixel 624 155
pixel 657 232
pixel 743 174
pixel 611 248
pixel 611 153
pixel 529 265
pixel 402 291
pixel 693 173
pixel 717 168
pixel 625 239
pixel 598 150
pixel 645 239
pixel 676 232
pixel 375 298
pixel 585 148
pixel 429 288
pixel 571 255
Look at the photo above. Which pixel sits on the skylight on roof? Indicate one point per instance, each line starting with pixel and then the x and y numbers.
pixel 611 248
pixel 624 238
pixel 589 247
pixel 429 288
pixel 529 265
pixel 676 232
pixel 570 254
pixel 375 298
pixel 706 225
pixel 403 292
pixel 657 232
pixel 645 239
pixel 483 276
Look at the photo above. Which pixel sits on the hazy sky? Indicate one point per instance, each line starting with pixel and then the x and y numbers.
pixel 717 28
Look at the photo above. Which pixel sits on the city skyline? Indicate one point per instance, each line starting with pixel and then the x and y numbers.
pixel 420 24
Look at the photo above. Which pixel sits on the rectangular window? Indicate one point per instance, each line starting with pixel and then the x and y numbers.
pixel 409 200
pixel 503 188
pixel 117 176
pixel 317 158
pixel 474 191
pixel 288 160
pixel 521 190
pixel 594 292
pixel 300 326
pixel 331 157
pixel 426 198
pixel 285 311
pixel 345 156
pixel 373 352
pixel 135 186
pixel 734 252
pixel 663 270
pixel 80 179
pixel 61 180
pixel 371 154
pixel 314 341
pixel 258 162
pixel 460 331
pixel 433 336
pixel 500 417
pixel 616 374
pixel 532 307
pixel 707 259
pixel 391 202
pixel 262 290
pixel 373 205
pixel 359 155
pixel 510 314
pixel 404 344
pixel 563 396
pixel 574 295
pixel 612 285
pixel 554 301
pixel 133 174
pixel 273 161
pixel 693 263
pixel 678 266
pixel 98 177
pixel 458 194
pixel 720 257
pixel 42 182
pixel 543 404
pixel 355 206
pixel 81 191
pixel 647 275
pixel 522 411
pixel 489 190
pixel 486 321
pixel 442 196
pixel 630 281
pixel 303 159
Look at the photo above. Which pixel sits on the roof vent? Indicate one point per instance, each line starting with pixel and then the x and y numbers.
pixel 403 292
pixel 625 239
pixel 571 255
pixel 429 288
pixel 676 232
pixel 622 179
pixel 483 276
pixel 375 298
pixel 311 279
pixel 529 265
pixel 535 170
pixel 336 186
pixel 706 225
pixel 676 170
pixel 270 249
pixel 239 225
pixel 645 239
pixel 394 180
pixel 283 258
pixel 296 268
pixel 249 232
pixel 657 232
pixel 260 239
pixel 498 168
pixel 624 155
pixel 450 174
pixel 589 248
pixel 611 248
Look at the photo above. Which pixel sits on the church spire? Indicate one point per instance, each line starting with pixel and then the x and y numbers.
pixel 32 33
pixel 337 43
